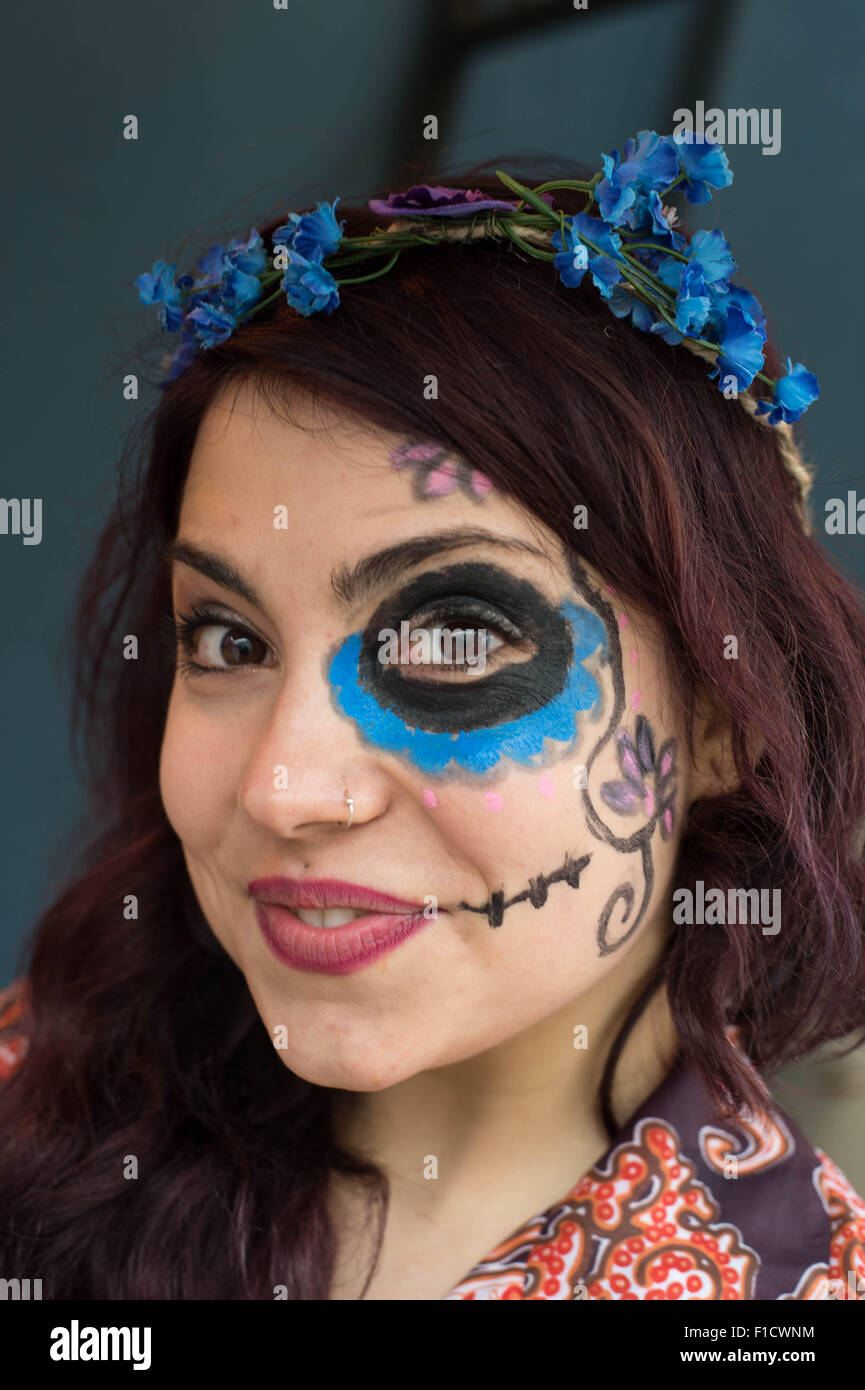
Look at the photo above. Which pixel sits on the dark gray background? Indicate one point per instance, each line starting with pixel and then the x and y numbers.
pixel 244 109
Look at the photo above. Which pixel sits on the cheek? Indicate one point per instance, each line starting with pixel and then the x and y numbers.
pixel 195 775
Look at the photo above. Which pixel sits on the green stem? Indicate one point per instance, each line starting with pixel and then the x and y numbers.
pixel 524 246
pixel 650 246
pixel 359 279
pixel 262 304
pixel 528 196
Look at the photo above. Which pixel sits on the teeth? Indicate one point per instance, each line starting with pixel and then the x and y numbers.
pixel 329 916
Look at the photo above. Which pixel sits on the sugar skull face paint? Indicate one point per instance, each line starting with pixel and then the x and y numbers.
pixel 473 723
pixel 550 886
pixel 536 893
pixel 436 470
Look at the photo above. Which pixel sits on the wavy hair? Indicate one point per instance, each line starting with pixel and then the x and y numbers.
pixel 144 1041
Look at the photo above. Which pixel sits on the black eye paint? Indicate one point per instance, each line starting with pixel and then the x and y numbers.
pixel 481 595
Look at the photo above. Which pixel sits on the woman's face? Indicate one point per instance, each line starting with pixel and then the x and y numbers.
pixel 496 714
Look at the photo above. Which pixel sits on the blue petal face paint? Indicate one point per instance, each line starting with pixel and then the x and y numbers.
pixel 473 723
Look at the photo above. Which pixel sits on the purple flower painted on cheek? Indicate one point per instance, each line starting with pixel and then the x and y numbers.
pixel 648 779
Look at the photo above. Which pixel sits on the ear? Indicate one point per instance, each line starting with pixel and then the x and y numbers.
pixel 714 771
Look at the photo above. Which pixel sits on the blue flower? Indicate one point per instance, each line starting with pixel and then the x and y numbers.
pixel 248 256
pixel 238 291
pixel 711 251
pixel 724 298
pixel 692 295
pixel 692 301
pixel 184 354
pixel 705 164
pixel 647 215
pixel 313 235
pixel 741 352
pixel 572 263
pixel 212 324
pixel 308 287
pixel 794 392
pixel 625 305
pixel 650 163
pixel 160 287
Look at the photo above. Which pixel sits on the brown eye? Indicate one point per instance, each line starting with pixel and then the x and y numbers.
pixel 209 642
pixel 216 645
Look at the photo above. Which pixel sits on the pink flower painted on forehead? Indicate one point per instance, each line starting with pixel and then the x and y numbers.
pixel 437 471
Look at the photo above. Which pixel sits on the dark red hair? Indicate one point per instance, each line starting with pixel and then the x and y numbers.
pixel 143 1037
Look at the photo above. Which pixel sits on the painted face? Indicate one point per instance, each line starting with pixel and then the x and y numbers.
pixel 521 788
pixel 473 724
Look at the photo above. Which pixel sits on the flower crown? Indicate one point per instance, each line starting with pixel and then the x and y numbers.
pixel 645 270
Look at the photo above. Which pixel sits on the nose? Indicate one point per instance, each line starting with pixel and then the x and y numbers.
pixel 307 760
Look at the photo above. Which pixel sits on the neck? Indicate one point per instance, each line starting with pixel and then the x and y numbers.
pixel 526 1109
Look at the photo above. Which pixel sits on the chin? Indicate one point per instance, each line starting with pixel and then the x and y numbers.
pixel 340 1070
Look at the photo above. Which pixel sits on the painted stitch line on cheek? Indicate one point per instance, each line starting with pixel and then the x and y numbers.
pixel 437 471
pixel 536 893
pixel 473 724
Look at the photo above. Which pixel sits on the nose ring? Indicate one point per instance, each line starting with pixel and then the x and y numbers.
pixel 350 803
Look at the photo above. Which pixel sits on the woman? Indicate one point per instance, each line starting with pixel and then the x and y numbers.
pixel 500 646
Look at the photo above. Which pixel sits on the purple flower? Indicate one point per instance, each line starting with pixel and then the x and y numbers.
pixel 425 200
pixel 648 783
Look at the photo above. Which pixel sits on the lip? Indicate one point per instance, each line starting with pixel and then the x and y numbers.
pixel 331 950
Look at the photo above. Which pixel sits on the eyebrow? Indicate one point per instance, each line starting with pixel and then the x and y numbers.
pixel 351 584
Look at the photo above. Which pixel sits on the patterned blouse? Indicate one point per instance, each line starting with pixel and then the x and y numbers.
pixel 686 1203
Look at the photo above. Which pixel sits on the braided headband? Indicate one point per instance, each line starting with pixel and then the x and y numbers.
pixel 646 271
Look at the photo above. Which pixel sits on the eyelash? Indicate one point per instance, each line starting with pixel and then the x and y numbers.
pixel 473 619
pixel 184 627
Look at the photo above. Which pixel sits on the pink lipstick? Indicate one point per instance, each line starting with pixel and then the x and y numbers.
pixel 331 950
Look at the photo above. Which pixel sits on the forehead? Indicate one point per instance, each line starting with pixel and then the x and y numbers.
pixel 336 478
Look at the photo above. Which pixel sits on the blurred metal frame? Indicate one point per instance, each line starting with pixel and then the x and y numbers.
pixel 457 30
